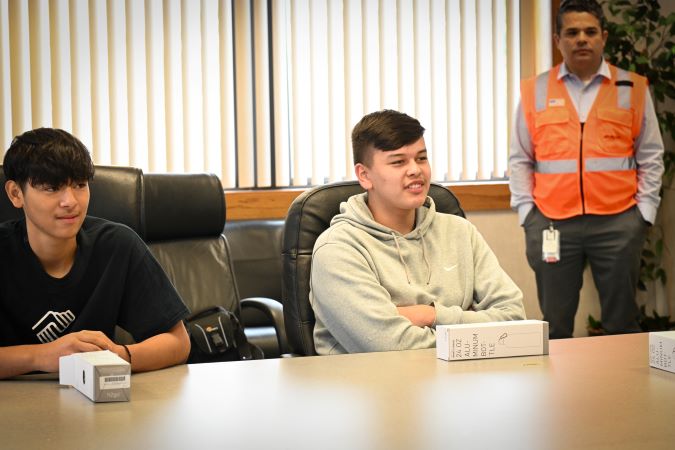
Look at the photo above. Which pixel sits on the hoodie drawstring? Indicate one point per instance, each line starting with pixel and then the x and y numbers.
pixel 400 256
pixel 424 256
pixel 426 261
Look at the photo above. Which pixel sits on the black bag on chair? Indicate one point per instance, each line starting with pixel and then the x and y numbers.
pixel 216 335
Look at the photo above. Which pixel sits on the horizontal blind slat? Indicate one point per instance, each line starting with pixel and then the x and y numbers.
pixel 6 133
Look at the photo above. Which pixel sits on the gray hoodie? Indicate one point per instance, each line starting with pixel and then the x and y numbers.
pixel 362 270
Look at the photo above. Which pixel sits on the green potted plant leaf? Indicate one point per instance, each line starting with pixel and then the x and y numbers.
pixel 641 38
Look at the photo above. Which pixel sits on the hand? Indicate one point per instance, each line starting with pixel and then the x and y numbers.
pixel 419 315
pixel 47 357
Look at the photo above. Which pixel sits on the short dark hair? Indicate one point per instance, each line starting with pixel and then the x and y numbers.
pixel 47 156
pixel 383 130
pixel 588 6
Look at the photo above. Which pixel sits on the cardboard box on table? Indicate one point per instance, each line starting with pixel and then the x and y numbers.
pixel 102 376
pixel 662 350
pixel 491 340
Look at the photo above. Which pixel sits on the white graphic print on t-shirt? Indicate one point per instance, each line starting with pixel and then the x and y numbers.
pixel 52 324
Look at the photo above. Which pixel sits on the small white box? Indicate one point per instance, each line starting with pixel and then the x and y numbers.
pixel 491 340
pixel 662 350
pixel 102 376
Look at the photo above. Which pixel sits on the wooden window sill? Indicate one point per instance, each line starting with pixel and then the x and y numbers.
pixel 274 203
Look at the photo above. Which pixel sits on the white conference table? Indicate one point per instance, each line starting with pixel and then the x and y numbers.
pixel 589 393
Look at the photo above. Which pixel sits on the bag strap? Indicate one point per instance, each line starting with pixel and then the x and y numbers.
pixel 245 349
pixel 243 346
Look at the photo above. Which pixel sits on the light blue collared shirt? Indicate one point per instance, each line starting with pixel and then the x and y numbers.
pixel 648 147
pixel 583 93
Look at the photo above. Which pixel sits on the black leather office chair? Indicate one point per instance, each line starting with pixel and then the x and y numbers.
pixel 117 195
pixel 255 247
pixel 308 216
pixel 184 220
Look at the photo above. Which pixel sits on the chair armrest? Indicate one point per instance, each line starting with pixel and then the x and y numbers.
pixel 274 312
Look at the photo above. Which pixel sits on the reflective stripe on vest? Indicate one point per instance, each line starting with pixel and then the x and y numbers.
pixel 557 166
pixel 541 91
pixel 608 164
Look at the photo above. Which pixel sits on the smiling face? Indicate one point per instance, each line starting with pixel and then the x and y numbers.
pixel 53 215
pixel 581 42
pixel 397 182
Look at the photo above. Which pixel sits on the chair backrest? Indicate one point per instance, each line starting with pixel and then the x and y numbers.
pixel 256 256
pixel 308 216
pixel 184 220
pixel 116 195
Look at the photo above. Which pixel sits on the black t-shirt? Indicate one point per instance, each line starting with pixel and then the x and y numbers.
pixel 114 280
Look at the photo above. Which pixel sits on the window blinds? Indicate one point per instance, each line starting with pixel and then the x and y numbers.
pixel 262 93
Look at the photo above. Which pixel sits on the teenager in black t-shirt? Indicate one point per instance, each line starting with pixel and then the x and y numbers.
pixel 67 279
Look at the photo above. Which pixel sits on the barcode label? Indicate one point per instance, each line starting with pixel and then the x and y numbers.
pixel 111 379
pixel 115 381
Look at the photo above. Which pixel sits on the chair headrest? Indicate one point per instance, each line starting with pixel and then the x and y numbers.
pixel 311 212
pixel 183 205
pixel 117 195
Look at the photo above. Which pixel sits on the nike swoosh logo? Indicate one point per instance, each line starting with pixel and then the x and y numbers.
pixel 448 269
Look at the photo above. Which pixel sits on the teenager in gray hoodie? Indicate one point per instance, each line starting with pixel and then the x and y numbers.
pixel 390 268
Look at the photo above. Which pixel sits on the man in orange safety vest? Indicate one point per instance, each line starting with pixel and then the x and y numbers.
pixel 586 164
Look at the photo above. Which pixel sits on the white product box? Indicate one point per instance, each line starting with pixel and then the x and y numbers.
pixel 491 340
pixel 662 350
pixel 102 376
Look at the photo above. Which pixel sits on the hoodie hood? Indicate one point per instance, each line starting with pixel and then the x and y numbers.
pixel 355 211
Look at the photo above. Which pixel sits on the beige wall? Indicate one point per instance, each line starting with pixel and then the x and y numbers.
pixel 506 238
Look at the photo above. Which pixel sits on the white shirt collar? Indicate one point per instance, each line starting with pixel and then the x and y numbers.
pixel 603 71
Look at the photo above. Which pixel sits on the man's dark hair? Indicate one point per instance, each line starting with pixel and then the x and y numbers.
pixel 47 156
pixel 384 130
pixel 588 6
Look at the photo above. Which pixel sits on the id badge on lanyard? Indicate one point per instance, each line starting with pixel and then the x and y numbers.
pixel 550 247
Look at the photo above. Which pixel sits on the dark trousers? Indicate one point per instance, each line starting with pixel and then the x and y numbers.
pixel 612 245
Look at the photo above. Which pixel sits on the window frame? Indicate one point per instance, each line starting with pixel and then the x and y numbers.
pixel 270 204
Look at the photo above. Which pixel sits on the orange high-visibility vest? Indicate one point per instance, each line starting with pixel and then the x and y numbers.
pixel 589 169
